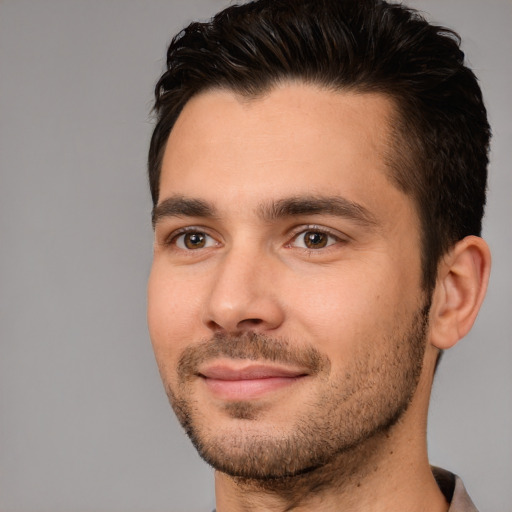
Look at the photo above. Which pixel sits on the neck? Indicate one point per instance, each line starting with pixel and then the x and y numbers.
pixel 390 471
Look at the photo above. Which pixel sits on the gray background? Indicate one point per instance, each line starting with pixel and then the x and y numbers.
pixel 84 422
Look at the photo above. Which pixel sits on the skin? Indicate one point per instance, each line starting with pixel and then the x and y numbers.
pixel 354 299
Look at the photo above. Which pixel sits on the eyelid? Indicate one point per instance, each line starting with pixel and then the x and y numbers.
pixel 299 230
pixel 170 239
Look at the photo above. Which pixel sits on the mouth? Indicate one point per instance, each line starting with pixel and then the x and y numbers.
pixel 242 381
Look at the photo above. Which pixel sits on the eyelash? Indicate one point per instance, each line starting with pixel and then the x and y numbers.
pixel 314 229
pixel 172 239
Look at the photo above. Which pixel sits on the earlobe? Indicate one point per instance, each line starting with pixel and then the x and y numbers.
pixel 462 278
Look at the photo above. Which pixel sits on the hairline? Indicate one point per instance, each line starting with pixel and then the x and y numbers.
pixel 396 118
pixel 398 163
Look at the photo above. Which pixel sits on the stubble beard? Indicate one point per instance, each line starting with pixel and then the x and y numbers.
pixel 336 428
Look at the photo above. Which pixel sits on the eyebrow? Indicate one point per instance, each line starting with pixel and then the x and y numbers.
pixel 317 205
pixel 180 206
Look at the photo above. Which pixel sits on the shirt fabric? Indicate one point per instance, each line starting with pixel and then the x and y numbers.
pixel 454 491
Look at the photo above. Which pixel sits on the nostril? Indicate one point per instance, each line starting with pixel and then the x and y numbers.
pixel 214 326
pixel 249 322
pixel 253 321
pixel 236 312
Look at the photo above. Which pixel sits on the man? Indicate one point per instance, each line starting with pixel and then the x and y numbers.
pixel 318 173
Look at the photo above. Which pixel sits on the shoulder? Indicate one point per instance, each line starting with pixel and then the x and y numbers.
pixel 453 489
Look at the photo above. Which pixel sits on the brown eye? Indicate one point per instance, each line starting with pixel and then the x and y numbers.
pixel 194 240
pixel 315 239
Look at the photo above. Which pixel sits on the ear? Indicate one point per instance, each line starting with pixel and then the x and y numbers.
pixel 462 277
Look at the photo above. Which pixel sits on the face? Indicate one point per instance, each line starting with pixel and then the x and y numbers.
pixel 285 305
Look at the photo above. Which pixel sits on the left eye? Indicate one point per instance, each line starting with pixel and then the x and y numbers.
pixel 194 240
pixel 313 240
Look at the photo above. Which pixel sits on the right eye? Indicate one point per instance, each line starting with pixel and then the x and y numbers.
pixel 193 240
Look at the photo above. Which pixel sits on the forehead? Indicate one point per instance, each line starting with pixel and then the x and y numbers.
pixel 295 138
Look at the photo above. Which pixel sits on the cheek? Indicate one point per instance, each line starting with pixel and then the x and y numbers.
pixel 344 308
pixel 173 312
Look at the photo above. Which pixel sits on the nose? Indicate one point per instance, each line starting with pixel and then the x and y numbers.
pixel 244 294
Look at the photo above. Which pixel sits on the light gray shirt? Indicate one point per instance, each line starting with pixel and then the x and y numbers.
pixel 453 489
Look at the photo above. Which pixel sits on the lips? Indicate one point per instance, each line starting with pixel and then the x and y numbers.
pixel 245 382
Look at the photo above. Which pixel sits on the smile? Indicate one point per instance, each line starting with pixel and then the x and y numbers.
pixel 235 383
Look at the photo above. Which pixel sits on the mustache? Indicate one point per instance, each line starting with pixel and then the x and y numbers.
pixel 254 347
